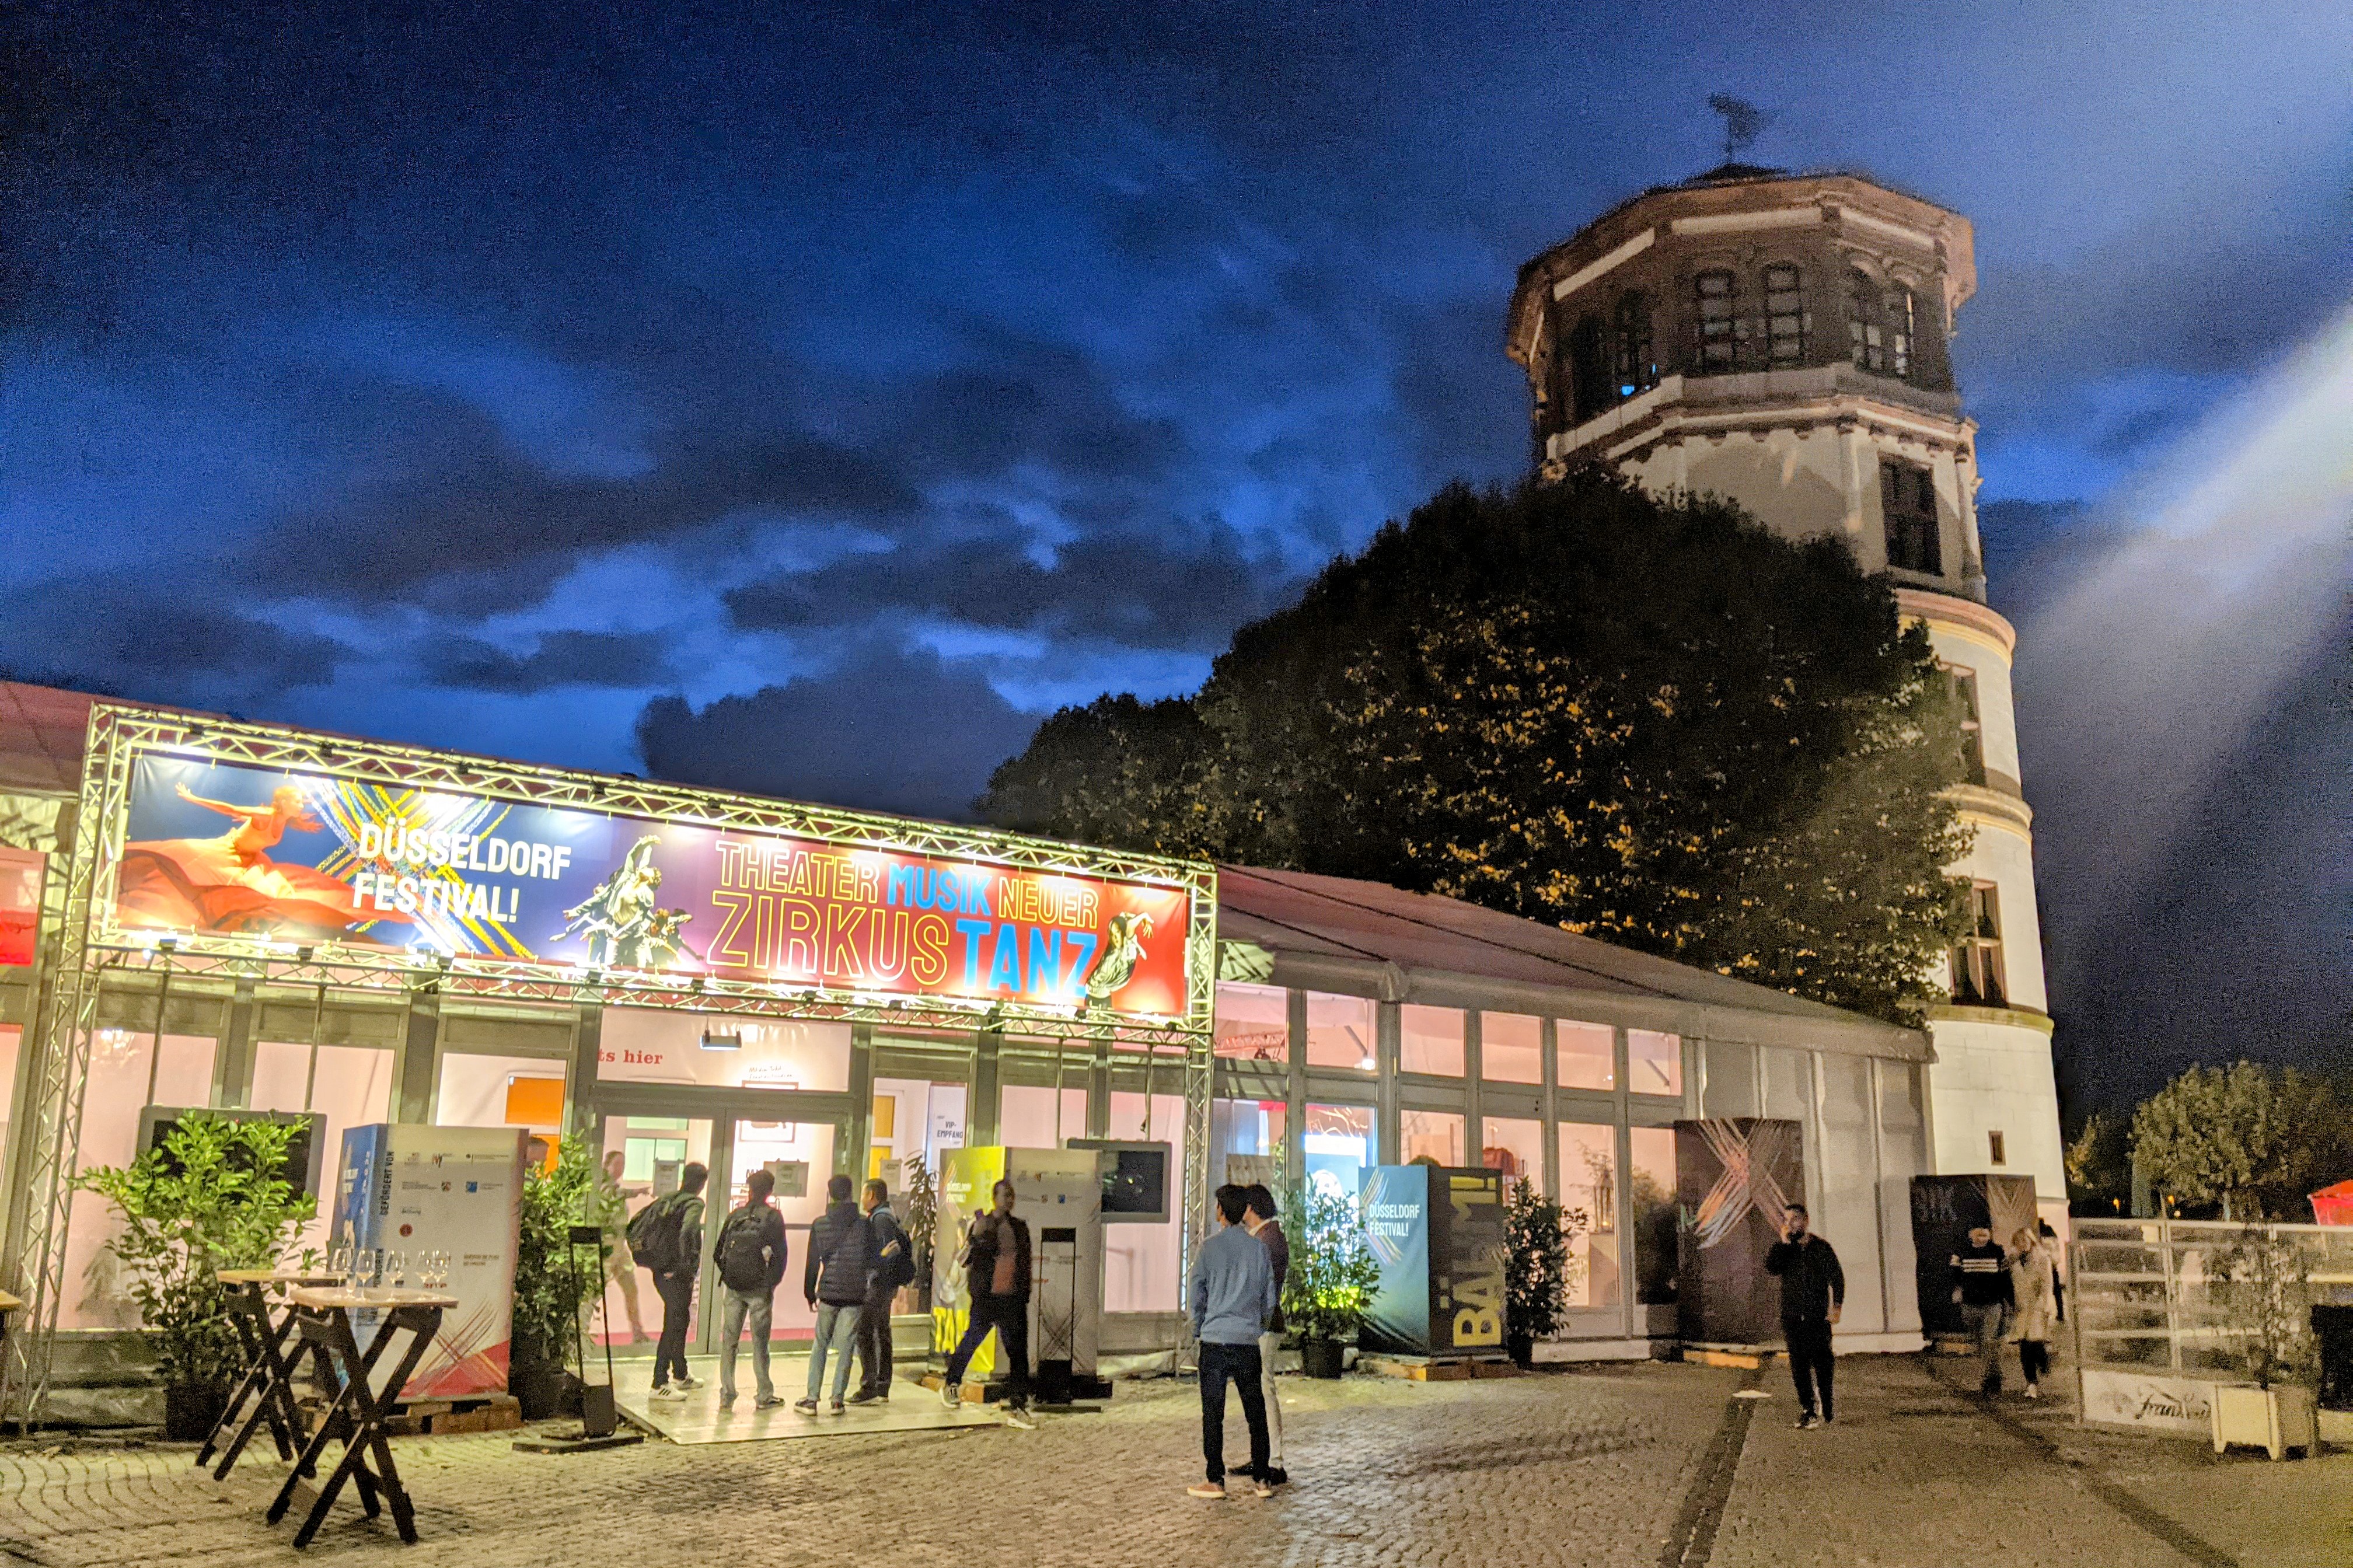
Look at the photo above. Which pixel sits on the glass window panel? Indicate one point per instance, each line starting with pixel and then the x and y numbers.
pixel 1589 1185
pixel 1585 1055
pixel 1653 1195
pixel 1253 1021
pixel 1511 1048
pixel 1654 1062
pixel 352 1089
pixel 1340 1034
pixel 1251 1128
pixel 474 1090
pixel 1339 1143
pixel 642 1045
pixel 1430 1134
pixel 1140 1266
pixel 653 1151
pixel 1026 1116
pixel 10 1037
pixel 1430 1040
pixel 96 1295
pixel 1514 1147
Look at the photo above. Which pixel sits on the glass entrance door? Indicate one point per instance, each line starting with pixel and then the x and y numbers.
pixel 643 1158
pixel 802 1155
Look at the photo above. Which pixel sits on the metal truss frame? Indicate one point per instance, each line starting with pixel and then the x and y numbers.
pixel 89 944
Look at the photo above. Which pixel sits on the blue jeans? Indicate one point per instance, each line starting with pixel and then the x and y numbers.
pixel 837 1334
pixel 759 1309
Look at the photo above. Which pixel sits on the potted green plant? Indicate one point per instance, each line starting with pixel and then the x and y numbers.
pixel 2262 1286
pixel 1537 1270
pixel 923 1219
pixel 550 1291
pixel 1332 1275
pixel 213 1196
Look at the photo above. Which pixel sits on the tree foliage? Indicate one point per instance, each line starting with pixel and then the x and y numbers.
pixel 211 1197
pixel 1648 720
pixel 2253 1139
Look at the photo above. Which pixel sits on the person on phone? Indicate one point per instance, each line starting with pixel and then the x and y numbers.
pixel 1813 1293
pixel 997 1281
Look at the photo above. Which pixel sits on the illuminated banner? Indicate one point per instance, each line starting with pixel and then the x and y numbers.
pixel 238 851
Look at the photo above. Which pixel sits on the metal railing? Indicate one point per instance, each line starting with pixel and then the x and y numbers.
pixel 2174 1296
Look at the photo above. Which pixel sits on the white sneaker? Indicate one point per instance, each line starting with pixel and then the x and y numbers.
pixel 1021 1420
pixel 2033 1391
pixel 951 1395
pixel 686 1383
pixel 670 1390
pixel 1212 1491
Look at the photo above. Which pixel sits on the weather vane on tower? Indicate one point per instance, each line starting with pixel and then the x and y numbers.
pixel 1742 122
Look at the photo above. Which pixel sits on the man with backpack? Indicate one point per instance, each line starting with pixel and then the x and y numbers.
pixel 894 1265
pixel 666 1237
pixel 751 1257
pixel 841 1261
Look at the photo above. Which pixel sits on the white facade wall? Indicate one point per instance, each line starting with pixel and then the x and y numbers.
pixel 1994 1077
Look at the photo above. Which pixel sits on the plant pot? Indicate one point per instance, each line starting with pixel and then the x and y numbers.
pixel 1522 1349
pixel 2273 1420
pixel 1321 1358
pixel 543 1392
pixel 191 1411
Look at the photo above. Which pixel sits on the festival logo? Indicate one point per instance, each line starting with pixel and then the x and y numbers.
pixel 308 858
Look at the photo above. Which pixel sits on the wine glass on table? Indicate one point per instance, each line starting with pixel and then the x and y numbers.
pixel 396 1269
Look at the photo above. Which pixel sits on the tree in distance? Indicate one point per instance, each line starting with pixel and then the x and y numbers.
pixel 2253 1139
pixel 1647 720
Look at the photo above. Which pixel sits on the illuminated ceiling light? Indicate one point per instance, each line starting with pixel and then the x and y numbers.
pixel 712 1042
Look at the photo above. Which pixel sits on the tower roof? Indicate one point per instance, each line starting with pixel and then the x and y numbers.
pixel 1715 199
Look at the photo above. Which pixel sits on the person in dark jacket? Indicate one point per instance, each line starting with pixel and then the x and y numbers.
pixel 894 1267
pixel 676 1289
pixel 1267 1226
pixel 997 1274
pixel 750 1253
pixel 840 1259
pixel 1981 1284
pixel 1813 1294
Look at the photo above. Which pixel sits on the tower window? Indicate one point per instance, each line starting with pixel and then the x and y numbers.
pixel 1976 957
pixel 1963 684
pixel 1907 501
pixel 1996 1148
pixel 1899 332
pixel 1636 367
pixel 1866 334
pixel 1589 370
pixel 1715 300
pixel 1785 316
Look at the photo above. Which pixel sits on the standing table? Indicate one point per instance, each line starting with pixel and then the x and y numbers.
pixel 274 1350
pixel 323 1317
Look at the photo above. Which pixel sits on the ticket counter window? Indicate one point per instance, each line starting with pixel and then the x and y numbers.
pixel 1431 1135
pixel 1584 1056
pixel 1511 1048
pixel 1654 1062
pixel 351 1086
pixel 124 1066
pixel 1254 1023
pixel 1430 1040
pixel 1340 1034
pixel 1339 1145
pixel 1589 1185
pixel 1514 1147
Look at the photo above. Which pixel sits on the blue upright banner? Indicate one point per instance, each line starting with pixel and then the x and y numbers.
pixel 1439 1236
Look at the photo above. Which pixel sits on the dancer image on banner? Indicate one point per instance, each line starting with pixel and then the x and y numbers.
pixel 231 884
pixel 623 927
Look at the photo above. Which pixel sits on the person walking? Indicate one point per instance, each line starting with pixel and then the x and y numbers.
pixel 996 1284
pixel 750 1253
pixel 894 1265
pixel 840 1260
pixel 1267 1226
pixel 666 1237
pixel 2034 1296
pixel 609 1209
pixel 1233 1296
pixel 1981 1284
pixel 1813 1294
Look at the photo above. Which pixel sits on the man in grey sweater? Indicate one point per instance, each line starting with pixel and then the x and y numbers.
pixel 1233 1296
pixel 1263 1223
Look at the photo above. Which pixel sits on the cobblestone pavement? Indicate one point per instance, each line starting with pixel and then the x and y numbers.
pixel 1602 1466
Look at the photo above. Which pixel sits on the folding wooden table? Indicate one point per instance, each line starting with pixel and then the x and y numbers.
pixel 274 1350
pixel 323 1317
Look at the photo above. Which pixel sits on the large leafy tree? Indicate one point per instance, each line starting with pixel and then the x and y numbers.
pixel 1650 721
pixel 2251 1138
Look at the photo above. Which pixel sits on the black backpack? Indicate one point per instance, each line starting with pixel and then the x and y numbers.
pixel 743 1252
pixel 654 1239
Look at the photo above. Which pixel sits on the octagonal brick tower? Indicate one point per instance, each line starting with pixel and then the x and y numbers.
pixel 1781 340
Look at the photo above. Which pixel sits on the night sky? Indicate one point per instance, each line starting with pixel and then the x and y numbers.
pixel 809 397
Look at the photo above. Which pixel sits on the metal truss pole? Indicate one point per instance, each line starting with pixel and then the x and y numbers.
pixel 1199 1061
